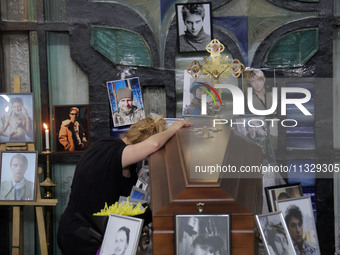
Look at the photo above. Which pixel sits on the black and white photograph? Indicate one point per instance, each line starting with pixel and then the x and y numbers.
pixel 256 129
pixel 279 192
pixel 121 235
pixel 126 101
pixel 71 125
pixel 299 218
pixel 197 234
pixel 194 26
pixel 17 118
pixel 275 234
pixel 18 176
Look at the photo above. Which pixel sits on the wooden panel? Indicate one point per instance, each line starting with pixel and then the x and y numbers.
pixel 175 168
pixel 159 182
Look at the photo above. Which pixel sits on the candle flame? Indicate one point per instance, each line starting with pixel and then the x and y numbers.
pixel 45 126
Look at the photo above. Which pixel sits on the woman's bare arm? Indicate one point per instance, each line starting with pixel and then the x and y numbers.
pixel 139 151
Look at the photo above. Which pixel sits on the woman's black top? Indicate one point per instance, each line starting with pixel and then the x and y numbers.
pixel 97 179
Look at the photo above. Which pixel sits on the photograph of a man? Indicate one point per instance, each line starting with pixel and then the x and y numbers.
pixel 202 234
pixel 126 101
pixel 194 26
pixel 72 132
pixel 294 221
pixel 18 176
pixel 121 236
pixel 16 113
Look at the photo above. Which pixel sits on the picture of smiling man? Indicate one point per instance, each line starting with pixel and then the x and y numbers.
pixel 127 113
pixel 194 37
pixel 18 187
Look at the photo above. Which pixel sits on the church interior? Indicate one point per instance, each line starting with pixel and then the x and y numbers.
pixel 66 61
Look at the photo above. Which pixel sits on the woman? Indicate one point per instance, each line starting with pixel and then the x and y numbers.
pixel 105 172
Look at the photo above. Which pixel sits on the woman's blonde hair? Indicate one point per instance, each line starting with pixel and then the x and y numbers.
pixel 145 128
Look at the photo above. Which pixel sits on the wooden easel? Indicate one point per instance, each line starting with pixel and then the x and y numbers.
pixel 18 212
pixel 18 206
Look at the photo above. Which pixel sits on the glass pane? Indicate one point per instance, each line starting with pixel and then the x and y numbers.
pixel 18 10
pixel 68 84
pixel 35 79
pixel 301 136
pixel 294 49
pixel 16 61
pixel 336 88
pixel 336 7
pixel 121 46
pixel 55 10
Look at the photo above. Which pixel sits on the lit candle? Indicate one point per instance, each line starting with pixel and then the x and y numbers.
pixel 47 139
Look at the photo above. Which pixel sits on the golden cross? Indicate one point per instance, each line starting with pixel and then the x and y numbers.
pixel 216 66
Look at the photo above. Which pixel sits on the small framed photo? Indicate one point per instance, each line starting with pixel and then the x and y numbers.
pixel 275 234
pixel 121 235
pixel 256 129
pixel 17 118
pixel 71 125
pixel 194 26
pixel 196 91
pixel 18 176
pixel 141 184
pixel 126 101
pixel 202 234
pixel 133 201
pixel 280 192
pixel 137 193
pixel 299 218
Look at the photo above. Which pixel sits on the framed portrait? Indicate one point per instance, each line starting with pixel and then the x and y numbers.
pixel 121 235
pixel 256 129
pixel 18 175
pixel 194 26
pixel 202 233
pixel 126 101
pixel 274 233
pixel 280 192
pixel 17 118
pixel 194 92
pixel 137 193
pixel 71 126
pixel 299 218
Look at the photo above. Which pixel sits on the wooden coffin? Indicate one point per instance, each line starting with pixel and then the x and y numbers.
pixel 176 188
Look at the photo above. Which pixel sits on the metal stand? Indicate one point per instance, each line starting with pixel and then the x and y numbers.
pixel 47 184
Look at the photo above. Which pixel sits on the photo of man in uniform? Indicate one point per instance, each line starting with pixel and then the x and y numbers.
pixel 127 113
pixel 17 187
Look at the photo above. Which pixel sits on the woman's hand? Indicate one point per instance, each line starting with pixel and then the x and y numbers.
pixel 178 124
pixel 139 151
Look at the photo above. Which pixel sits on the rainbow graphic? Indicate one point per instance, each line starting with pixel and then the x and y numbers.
pixel 201 84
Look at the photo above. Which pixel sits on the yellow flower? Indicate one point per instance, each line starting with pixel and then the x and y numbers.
pixel 123 208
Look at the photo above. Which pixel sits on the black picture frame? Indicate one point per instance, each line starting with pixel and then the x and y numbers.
pixel 183 46
pixel 202 231
pixel 286 191
pixel 19 159
pixel 61 113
